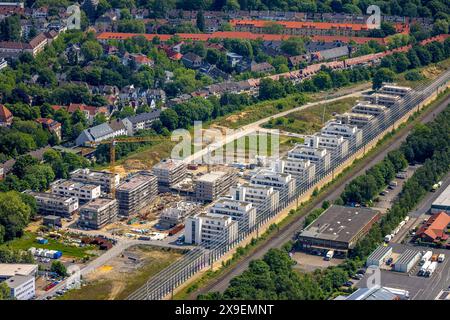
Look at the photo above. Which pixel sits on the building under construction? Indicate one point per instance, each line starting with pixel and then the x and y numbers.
pixel 214 184
pixel 106 180
pixel 169 172
pixel 98 213
pixel 136 192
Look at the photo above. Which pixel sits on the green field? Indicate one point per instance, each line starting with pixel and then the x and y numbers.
pixel 28 240
pixel 311 119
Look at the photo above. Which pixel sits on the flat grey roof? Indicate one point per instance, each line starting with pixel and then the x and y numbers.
pixel 17 281
pixel 443 199
pixel 339 223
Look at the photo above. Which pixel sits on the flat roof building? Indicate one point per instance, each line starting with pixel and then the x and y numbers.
pixel 379 256
pixel 395 90
pixel 52 221
pixel 8 270
pixel 214 184
pixel 333 143
pixel 382 99
pixel 169 172
pixel 241 211
pixel 136 192
pixel 407 260
pixel 442 203
pixel 283 182
pixel 106 180
pixel 365 107
pixel 55 204
pixel 319 156
pixel 302 170
pixel 357 119
pixel 208 230
pixel 264 198
pixel 338 228
pixel 98 213
pixel 337 128
pixel 83 191
pixel 21 287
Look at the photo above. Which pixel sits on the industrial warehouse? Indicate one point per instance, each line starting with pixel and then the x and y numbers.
pixel 338 228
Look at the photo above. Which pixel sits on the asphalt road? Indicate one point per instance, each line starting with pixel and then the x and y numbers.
pixel 287 232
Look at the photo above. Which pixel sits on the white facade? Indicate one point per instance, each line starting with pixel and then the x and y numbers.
pixel 319 156
pixel 395 90
pixel 302 170
pixel 329 142
pixel 102 178
pixel 382 99
pixel 84 192
pixel 283 182
pixel 22 287
pixel 366 107
pixel 263 198
pixel 353 133
pixel 357 119
pixel 241 211
pixel 209 229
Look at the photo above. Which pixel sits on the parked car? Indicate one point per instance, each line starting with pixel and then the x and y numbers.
pixel 348 284
pixel 389 261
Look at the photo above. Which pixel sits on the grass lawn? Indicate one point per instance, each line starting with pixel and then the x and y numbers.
pixel 309 120
pixel 117 284
pixel 28 240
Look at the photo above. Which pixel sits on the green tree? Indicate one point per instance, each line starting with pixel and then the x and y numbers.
pixel 59 268
pixel 382 75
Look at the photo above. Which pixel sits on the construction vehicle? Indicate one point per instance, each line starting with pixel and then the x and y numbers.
pixel 112 151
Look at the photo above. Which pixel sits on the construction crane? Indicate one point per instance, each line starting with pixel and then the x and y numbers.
pixel 112 152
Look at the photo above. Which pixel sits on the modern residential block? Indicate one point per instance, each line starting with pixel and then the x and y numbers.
pixel 214 184
pixel 98 213
pixel 106 180
pixel 55 204
pixel 169 172
pixel 136 192
pixel 84 192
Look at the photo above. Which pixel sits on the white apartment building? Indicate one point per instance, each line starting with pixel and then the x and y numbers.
pixel 84 192
pixel 301 170
pixel 54 204
pixel 319 156
pixel 382 99
pixel 22 287
pixel 395 90
pixel 241 211
pixel 264 198
pixel 283 182
pixel 365 107
pixel 106 180
pixel 357 119
pixel 350 132
pixel 328 141
pixel 210 229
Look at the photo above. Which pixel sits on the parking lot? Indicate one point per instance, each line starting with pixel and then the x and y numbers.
pixel 388 196
pixel 420 288
pixel 308 262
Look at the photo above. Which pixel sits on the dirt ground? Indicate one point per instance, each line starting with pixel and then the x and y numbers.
pixel 123 274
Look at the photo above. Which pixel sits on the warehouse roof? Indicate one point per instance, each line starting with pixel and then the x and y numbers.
pixel 17 281
pixel 407 257
pixel 12 269
pixel 380 253
pixel 443 199
pixel 340 223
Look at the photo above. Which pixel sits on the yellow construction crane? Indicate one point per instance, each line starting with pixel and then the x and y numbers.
pixel 112 152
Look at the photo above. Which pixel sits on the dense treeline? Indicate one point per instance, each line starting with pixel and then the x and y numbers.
pixel 273 276
pixel 16 208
